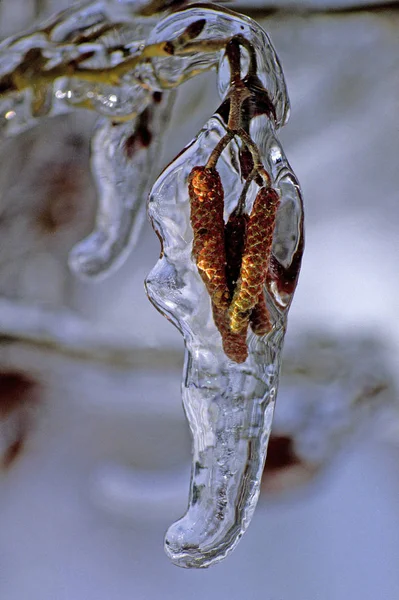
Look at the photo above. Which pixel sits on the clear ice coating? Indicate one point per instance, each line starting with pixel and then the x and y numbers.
pixel 227 274
pixel 123 159
pixel 229 402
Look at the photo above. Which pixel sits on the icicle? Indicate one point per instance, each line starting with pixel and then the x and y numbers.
pixel 229 384
pixel 123 162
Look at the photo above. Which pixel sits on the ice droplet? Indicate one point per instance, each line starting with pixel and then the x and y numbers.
pixel 229 404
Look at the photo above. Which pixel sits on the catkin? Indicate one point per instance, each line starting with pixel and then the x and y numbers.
pixel 207 205
pixel 255 260
pixel 234 344
pixel 232 259
pixel 260 317
pixel 234 238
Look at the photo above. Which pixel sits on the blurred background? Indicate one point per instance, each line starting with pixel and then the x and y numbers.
pixel 94 447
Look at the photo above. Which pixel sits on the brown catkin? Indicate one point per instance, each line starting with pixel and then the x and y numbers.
pixel 256 257
pixel 260 317
pixel 234 237
pixel 207 205
pixel 234 344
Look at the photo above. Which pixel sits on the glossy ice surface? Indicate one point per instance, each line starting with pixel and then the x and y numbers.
pixel 229 406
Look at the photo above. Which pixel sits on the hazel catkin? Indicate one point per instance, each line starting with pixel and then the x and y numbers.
pixel 260 317
pixel 207 205
pixel 256 258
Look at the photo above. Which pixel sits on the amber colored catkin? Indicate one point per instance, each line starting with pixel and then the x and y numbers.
pixel 260 317
pixel 255 259
pixel 234 344
pixel 207 205
pixel 234 235
pixel 232 259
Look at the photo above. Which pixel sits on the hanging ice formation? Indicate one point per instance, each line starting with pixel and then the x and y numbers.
pixel 90 57
pixel 228 212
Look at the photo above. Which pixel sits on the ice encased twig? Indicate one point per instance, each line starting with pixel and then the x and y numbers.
pixel 221 25
pixel 229 406
pixel 123 163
